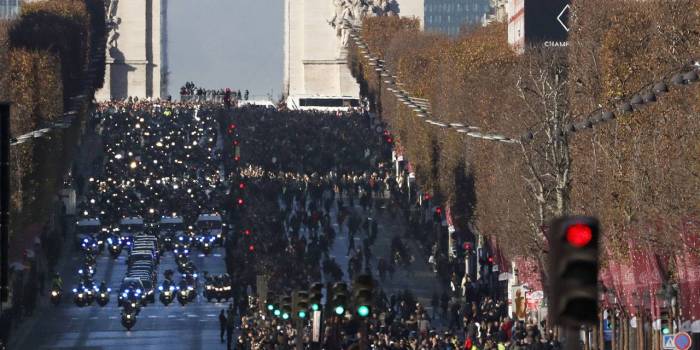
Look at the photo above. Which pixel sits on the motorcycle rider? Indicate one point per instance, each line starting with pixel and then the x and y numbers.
pixel 103 287
pixel 57 282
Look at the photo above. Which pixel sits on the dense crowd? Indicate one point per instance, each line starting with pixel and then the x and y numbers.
pixel 190 89
pixel 304 174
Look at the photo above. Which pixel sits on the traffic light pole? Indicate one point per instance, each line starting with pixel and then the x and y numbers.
pixel 571 340
pixel 4 200
pixel 300 330
pixel 363 334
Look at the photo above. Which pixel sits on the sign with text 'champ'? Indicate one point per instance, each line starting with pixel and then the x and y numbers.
pixel 538 22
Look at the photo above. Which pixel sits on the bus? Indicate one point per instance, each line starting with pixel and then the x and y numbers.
pixel 323 103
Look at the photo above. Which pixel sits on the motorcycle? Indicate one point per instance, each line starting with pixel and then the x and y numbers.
pixel 115 246
pixel 128 319
pixel 56 295
pixel 183 294
pixel 206 243
pixel 166 293
pixel 90 260
pixel 89 245
pixel 209 292
pixel 83 295
pixel 87 272
pixel 103 297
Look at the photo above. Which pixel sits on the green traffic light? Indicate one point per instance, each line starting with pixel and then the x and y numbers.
pixel 270 307
pixel 277 313
pixel 363 311
pixel 285 316
pixel 665 330
pixel 339 310
pixel 302 314
pixel 314 307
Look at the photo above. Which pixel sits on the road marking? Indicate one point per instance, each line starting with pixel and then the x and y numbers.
pixel 112 317
pixel 192 316
pixel 171 316
pixel 153 316
pixel 211 315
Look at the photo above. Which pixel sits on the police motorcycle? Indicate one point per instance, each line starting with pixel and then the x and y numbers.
pixel 103 294
pixel 84 294
pixel 87 271
pixel 56 290
pixel 209 292
pixel 114 244
pixel 167 290
pixel 184 292
pixel 181 253
pixel 206 242
pixel 128 318
pixel 131 293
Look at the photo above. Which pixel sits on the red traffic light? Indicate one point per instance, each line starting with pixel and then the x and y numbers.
pixel 389 140
pixel 240 201
pixel 241 185
pixel 438 211
pixel 251 248
pixel 579 235
pixel 490 260
pixel 247 232
pixel 467 246
pixel 237 158
pixel 235 142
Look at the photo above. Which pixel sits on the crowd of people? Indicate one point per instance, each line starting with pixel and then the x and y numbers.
pixel 313 177
pixel 191 91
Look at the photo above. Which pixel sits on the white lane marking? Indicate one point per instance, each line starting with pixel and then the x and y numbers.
pixel 153 316
pixel 192 316
pixel 211 315
pixel 112 317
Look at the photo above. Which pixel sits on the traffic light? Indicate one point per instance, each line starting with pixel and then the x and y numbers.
pixel 363 295
pixel 665 321
pixel 240 202
pixel 340 298
pixel 315 296
pixel 286 306
pixel 301 304
pixel 573 265
pixel 438 214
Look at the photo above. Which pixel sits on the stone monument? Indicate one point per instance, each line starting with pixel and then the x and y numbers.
pixel 133 50
pixel 316 38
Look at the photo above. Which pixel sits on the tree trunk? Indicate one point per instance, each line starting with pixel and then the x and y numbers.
pixel 614 330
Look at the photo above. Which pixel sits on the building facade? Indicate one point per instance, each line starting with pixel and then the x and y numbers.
pixel 9 8
pixel 449 16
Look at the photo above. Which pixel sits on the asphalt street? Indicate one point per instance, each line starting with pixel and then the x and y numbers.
pixel 66 326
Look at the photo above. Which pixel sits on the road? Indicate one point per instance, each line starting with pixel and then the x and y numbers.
pixel 194 326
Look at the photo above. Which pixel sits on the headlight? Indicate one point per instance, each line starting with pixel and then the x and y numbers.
pixel 128 316
pixel 54 293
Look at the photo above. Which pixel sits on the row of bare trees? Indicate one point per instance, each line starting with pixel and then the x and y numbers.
pixel 638 170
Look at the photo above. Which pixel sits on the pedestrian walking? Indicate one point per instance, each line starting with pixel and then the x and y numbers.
pixel 222 325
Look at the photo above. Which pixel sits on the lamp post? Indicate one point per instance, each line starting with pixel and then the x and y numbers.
pixel 4 200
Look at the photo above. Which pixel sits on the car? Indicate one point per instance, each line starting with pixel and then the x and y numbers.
pixel 211 224
pixel 171 225
pixel 87 228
